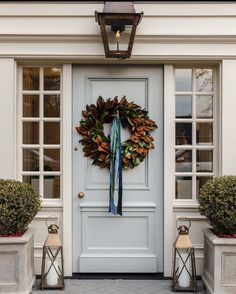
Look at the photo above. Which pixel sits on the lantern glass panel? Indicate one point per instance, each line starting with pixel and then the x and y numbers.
pixel 124 39
pixel 52 268
pixel 184 268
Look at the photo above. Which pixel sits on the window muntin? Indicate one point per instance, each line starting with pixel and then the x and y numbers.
pixel 195 124
pixel 41 122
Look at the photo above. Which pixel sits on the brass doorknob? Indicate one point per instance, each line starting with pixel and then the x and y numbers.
pixel 81 195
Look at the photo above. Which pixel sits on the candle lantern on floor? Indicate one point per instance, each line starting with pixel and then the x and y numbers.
pixel 184 267
pixel 52 273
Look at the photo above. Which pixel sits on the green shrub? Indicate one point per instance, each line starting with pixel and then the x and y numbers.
pixel 217 201
pixel 19 203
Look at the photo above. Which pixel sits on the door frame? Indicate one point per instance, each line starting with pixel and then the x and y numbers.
pixel 73 142
pixel 67 163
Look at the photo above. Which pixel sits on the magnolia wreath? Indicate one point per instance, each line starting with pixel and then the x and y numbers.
pixel 96 145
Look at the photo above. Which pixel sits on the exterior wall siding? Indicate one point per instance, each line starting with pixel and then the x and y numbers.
pixel 7 118
pixel 228 117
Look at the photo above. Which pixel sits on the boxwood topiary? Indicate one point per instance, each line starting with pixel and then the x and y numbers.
pixel 217 201
pixel 19 203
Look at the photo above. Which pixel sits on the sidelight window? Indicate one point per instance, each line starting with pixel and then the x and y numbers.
pixel 195 130
pixel 40 129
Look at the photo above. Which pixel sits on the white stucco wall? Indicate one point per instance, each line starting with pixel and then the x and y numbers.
pixel 228 117
pixel 7 118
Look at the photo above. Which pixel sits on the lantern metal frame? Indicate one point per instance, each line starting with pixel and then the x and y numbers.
pixel 51 249
pixel 118 15
pixel 184 244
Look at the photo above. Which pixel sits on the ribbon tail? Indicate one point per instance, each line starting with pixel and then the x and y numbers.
pixel 120 191
pixel 115 166
pixel 112 207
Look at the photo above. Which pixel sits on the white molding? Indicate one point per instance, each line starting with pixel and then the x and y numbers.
pixel 131 263
pixel 125 205
pixel 87 8
pixel 154 38
pixel 192 217
pixel 67 167
pixel 45 217
pixel 169 166
pixel 15 110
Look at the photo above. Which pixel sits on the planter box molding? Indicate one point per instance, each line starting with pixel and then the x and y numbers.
pixel 17 263
pixel 219 272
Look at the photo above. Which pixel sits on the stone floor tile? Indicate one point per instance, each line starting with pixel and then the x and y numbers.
pixel 73 286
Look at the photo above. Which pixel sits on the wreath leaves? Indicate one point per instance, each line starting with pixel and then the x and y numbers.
pixel 96 144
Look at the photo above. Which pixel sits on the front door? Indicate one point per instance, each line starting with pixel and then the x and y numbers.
pixel 103 242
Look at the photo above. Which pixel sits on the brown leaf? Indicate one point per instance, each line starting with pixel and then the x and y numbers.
pixel 104 145
pixel 84 114
pixel 102 149
pixel 135 138
pixel 98 139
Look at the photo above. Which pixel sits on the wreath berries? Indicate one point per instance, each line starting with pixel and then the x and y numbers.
pixel 96 145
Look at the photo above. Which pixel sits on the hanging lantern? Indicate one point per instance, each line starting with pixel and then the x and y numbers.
pixel 52 273
pixel 184 269
pixel 118 23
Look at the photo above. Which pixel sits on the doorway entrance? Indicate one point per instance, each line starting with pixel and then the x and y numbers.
pixel 103 242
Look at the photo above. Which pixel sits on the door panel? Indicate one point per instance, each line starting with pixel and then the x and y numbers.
pixel 104 242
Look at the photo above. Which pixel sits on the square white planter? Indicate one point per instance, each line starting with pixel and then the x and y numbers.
pixel 17 263
pixel 219 271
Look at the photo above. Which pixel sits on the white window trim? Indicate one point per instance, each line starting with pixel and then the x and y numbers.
pixel 67 167
pixel 66 155
pixel 170 203
pixel 45 201
pixel 169 166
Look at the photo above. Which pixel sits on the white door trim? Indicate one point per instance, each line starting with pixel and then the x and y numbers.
pixel 169 166
pixel 67 167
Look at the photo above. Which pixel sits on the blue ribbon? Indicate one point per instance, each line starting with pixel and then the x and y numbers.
pixel 115 166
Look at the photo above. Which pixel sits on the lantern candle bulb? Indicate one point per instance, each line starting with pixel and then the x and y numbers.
pixel 118 40
pixel 52 277
pixel 184 279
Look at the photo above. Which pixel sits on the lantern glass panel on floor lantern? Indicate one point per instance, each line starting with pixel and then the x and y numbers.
pixel 52 273
pixel 184 267
pixel 118 23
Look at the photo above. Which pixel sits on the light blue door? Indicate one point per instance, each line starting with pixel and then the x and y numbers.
pixel 103 242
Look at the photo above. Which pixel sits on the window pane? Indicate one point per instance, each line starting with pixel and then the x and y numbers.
pixel 183 160
pixel 204 161
pixel 183 188
pixel 30 105
pixel 30 133
pixel 204 133
pixel 52 78
pixel 51 105
pixel 51 186
pixel 200 182
pixel 183 133
pixel 30 159
pixel 51 133
pixel 33 181
pixel 183 106
pixel 204 80
pixel 183 80
pixel 51 160
pixel 204 106
pixel 30 78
